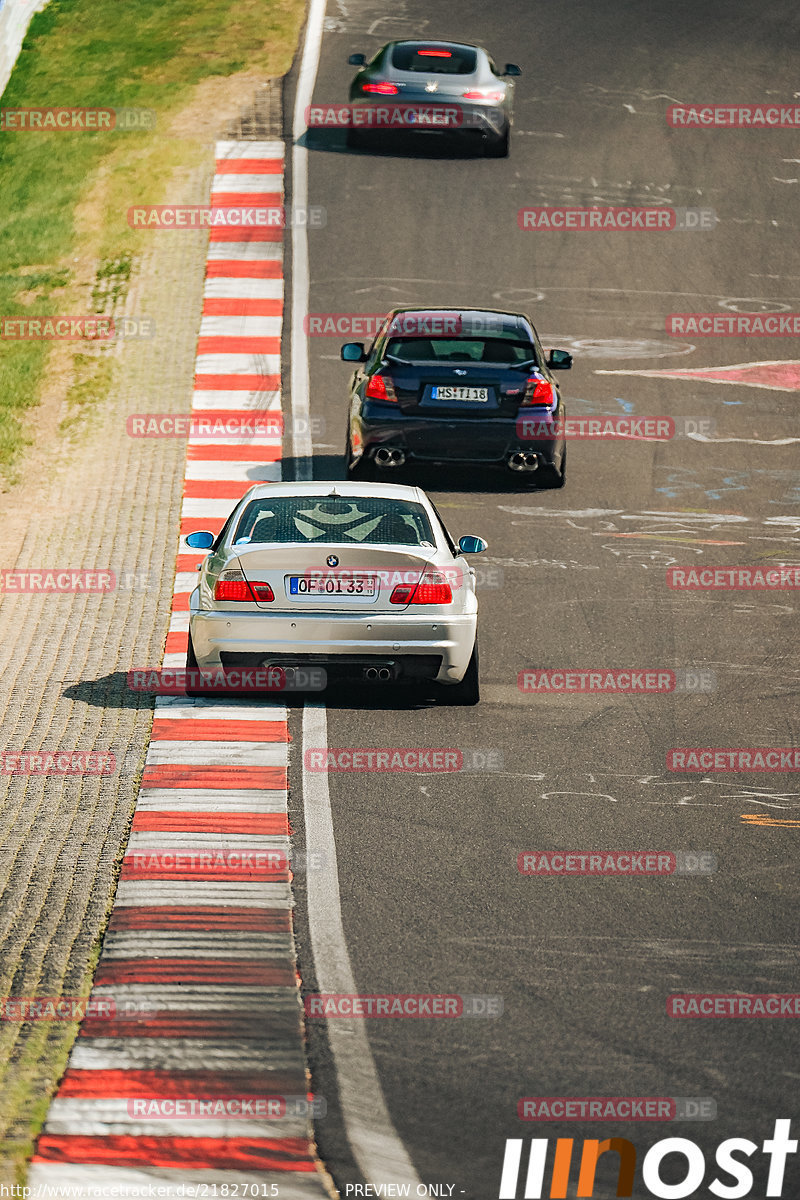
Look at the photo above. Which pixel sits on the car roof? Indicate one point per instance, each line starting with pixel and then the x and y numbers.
pixel 327 487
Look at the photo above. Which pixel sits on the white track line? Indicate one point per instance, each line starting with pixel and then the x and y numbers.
pixel 377 1148
pixel 299 379
pixel 376 1145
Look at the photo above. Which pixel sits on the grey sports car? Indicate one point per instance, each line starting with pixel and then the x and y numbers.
pixel 432 88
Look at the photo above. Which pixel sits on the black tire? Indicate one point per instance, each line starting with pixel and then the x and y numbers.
pixel 549 477
pixel 468 692
pixel 191 665
pixel 356 468
pixel 499 147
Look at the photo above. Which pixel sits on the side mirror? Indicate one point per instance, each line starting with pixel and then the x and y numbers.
pixel 512 69
pixel 559 360
pixel 357 60
pixel 353 352
pixel 202 540
pixel 469 544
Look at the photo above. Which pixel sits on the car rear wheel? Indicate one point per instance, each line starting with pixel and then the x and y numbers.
pixel 357 468
pixel 549 477
pixel 467 692
pixel 191 665
pixel 498 147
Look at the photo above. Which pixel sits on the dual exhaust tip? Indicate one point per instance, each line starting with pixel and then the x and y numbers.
pixel 377 674
pixel 523 460
pixel 387 457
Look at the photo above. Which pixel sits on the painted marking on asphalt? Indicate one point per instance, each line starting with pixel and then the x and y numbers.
pixel 376 1146
pixel 765 820
pixel 774 375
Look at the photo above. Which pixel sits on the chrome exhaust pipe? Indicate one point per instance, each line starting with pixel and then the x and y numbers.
pixel 384 674
pixel 523 460
pixel 387 457
pixel 370 673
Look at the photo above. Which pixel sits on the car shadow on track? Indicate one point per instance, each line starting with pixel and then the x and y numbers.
pixel 398 145
pixel 463 478
pixel 114 691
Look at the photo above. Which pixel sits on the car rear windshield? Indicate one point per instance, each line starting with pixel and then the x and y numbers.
pixel 343 520
pixel 434 60
pixel 478 350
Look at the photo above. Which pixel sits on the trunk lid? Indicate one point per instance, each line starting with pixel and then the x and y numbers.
pixel 307 579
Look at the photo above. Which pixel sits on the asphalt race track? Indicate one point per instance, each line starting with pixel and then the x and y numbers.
pixel 431 898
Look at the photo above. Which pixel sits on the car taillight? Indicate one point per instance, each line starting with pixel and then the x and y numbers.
pixel 380 387
pixel 538 391
pixel 434 54
pixel 262 591
pixel 237 590
pixel 475 94
pixel 432 588
pixel 382 89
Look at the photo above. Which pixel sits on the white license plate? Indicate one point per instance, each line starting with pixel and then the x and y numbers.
pixel 460 393
pixel 331 585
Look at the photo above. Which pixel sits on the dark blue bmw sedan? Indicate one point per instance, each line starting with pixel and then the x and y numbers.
pixel 469 386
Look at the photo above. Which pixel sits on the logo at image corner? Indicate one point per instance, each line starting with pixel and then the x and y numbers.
pixel 528 1163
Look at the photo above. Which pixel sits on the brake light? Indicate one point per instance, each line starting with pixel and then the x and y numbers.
pixel 478 95
pixel 434 54
pixel 432 588
pixel 538 391
pixel 239 591
pixel 382 89
pixel 381 387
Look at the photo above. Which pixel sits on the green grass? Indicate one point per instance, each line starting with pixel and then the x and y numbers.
pixel 65 198
pixel 67 192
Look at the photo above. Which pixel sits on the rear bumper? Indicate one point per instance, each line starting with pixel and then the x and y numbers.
pixel 426 114
pixel 306 639
pixel 491 441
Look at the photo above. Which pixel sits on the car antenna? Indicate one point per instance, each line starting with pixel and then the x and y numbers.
pixel 335 493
